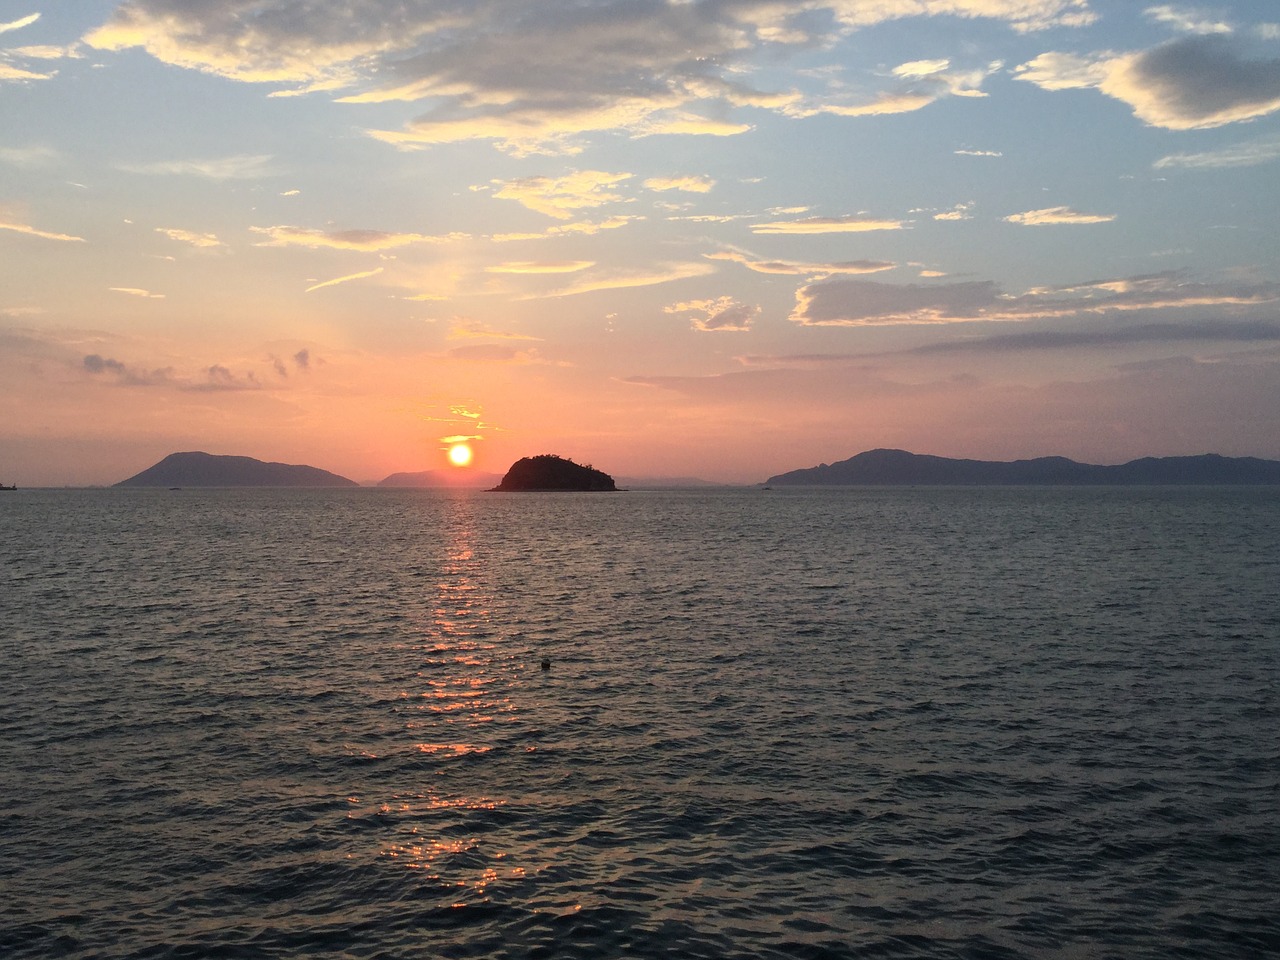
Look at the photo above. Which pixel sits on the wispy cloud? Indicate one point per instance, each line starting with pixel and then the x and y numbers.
pixel 1050 216
pixel 1187 20
pixel 368 241
pixel 137 292
pixel 685 184
pixel 239 167
pixel 801 268
pixel 855 303
pixel 664 273
pixel 1250 154
pixel 562 197
pixel 540 266
pixel 189 237
pixel 810 225
pixel 347 279
pixel 19 23
pixel 42 234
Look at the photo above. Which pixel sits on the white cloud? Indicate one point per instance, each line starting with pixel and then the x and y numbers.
pixel 1249 154
pixel 809 225
pixel 1193 83
pixel 369 241
pixel 561 197
pixel 1186 20
pixel 42 234
pixel 190 237
pixel 1057 215
pixel 685 184
pixel 857 303
pixel 19 23
pixel 137 292
pixel 240 167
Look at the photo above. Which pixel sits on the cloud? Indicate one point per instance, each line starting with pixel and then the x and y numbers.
pixel 530 76
pixel 919 84
pixel 1188 21
pixel 560 197
pixel 29 157
pixel 368 241
pixel 800 268
pixel 42 234
pixel 1213 331
pixel 977 153
pixel 8 72
pixel 582 227
pixel 137 292
pixel 723 314
pixel 664 273
pixel 493 353
pixel 239 167
pixel 540 266
pixel 349 277
pixel 850 224
pixel 856 303
pixel 1193 83
pixel 685 184
pixel 1250 154
pixel 20 23
pixel 1056 215
pixel 961 211
pixel 473 331
pixel 203 240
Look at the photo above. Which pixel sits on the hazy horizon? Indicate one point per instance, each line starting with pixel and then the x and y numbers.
pixel 711 240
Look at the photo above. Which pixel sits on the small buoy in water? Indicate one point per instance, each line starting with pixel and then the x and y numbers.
pixel 546 663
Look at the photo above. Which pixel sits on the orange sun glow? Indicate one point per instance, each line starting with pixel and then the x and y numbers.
pixel 460 454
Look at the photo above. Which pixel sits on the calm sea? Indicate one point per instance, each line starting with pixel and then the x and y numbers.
pixel 795 723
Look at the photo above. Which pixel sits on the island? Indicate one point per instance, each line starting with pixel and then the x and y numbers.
pixel 211 470
pixel 898 467
pixel 550 472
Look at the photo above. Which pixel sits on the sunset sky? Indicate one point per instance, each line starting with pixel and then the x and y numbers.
pixel 703 238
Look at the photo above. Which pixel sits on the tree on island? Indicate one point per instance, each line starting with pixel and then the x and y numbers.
pixel 547 471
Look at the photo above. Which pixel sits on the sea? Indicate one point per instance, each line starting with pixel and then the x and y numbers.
pixel 702 723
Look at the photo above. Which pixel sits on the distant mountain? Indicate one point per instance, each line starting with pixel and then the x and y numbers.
pixel 440 478
pixel 896 467
pixel 209 470
pixel 549 472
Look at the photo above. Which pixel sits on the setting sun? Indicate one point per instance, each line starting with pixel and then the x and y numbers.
pixel 460 454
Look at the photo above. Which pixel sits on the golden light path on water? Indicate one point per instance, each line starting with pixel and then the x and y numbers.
pixel 460 693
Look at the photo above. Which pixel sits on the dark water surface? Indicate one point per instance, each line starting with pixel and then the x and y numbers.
pixel 826 723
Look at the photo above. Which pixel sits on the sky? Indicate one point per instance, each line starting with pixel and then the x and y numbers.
pixel 671 238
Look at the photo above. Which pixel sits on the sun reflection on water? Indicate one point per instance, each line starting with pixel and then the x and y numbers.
pixel 453 709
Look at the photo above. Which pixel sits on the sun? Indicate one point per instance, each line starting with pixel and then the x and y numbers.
pixel 460 455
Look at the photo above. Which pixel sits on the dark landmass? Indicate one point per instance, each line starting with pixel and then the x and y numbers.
pixel 209 470
pixel 549 472
pixel 895 467
pixel 439 478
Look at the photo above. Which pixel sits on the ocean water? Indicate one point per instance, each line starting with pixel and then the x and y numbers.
pixel 909 723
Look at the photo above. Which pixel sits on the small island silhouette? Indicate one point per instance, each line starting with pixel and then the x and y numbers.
pixel 547 471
